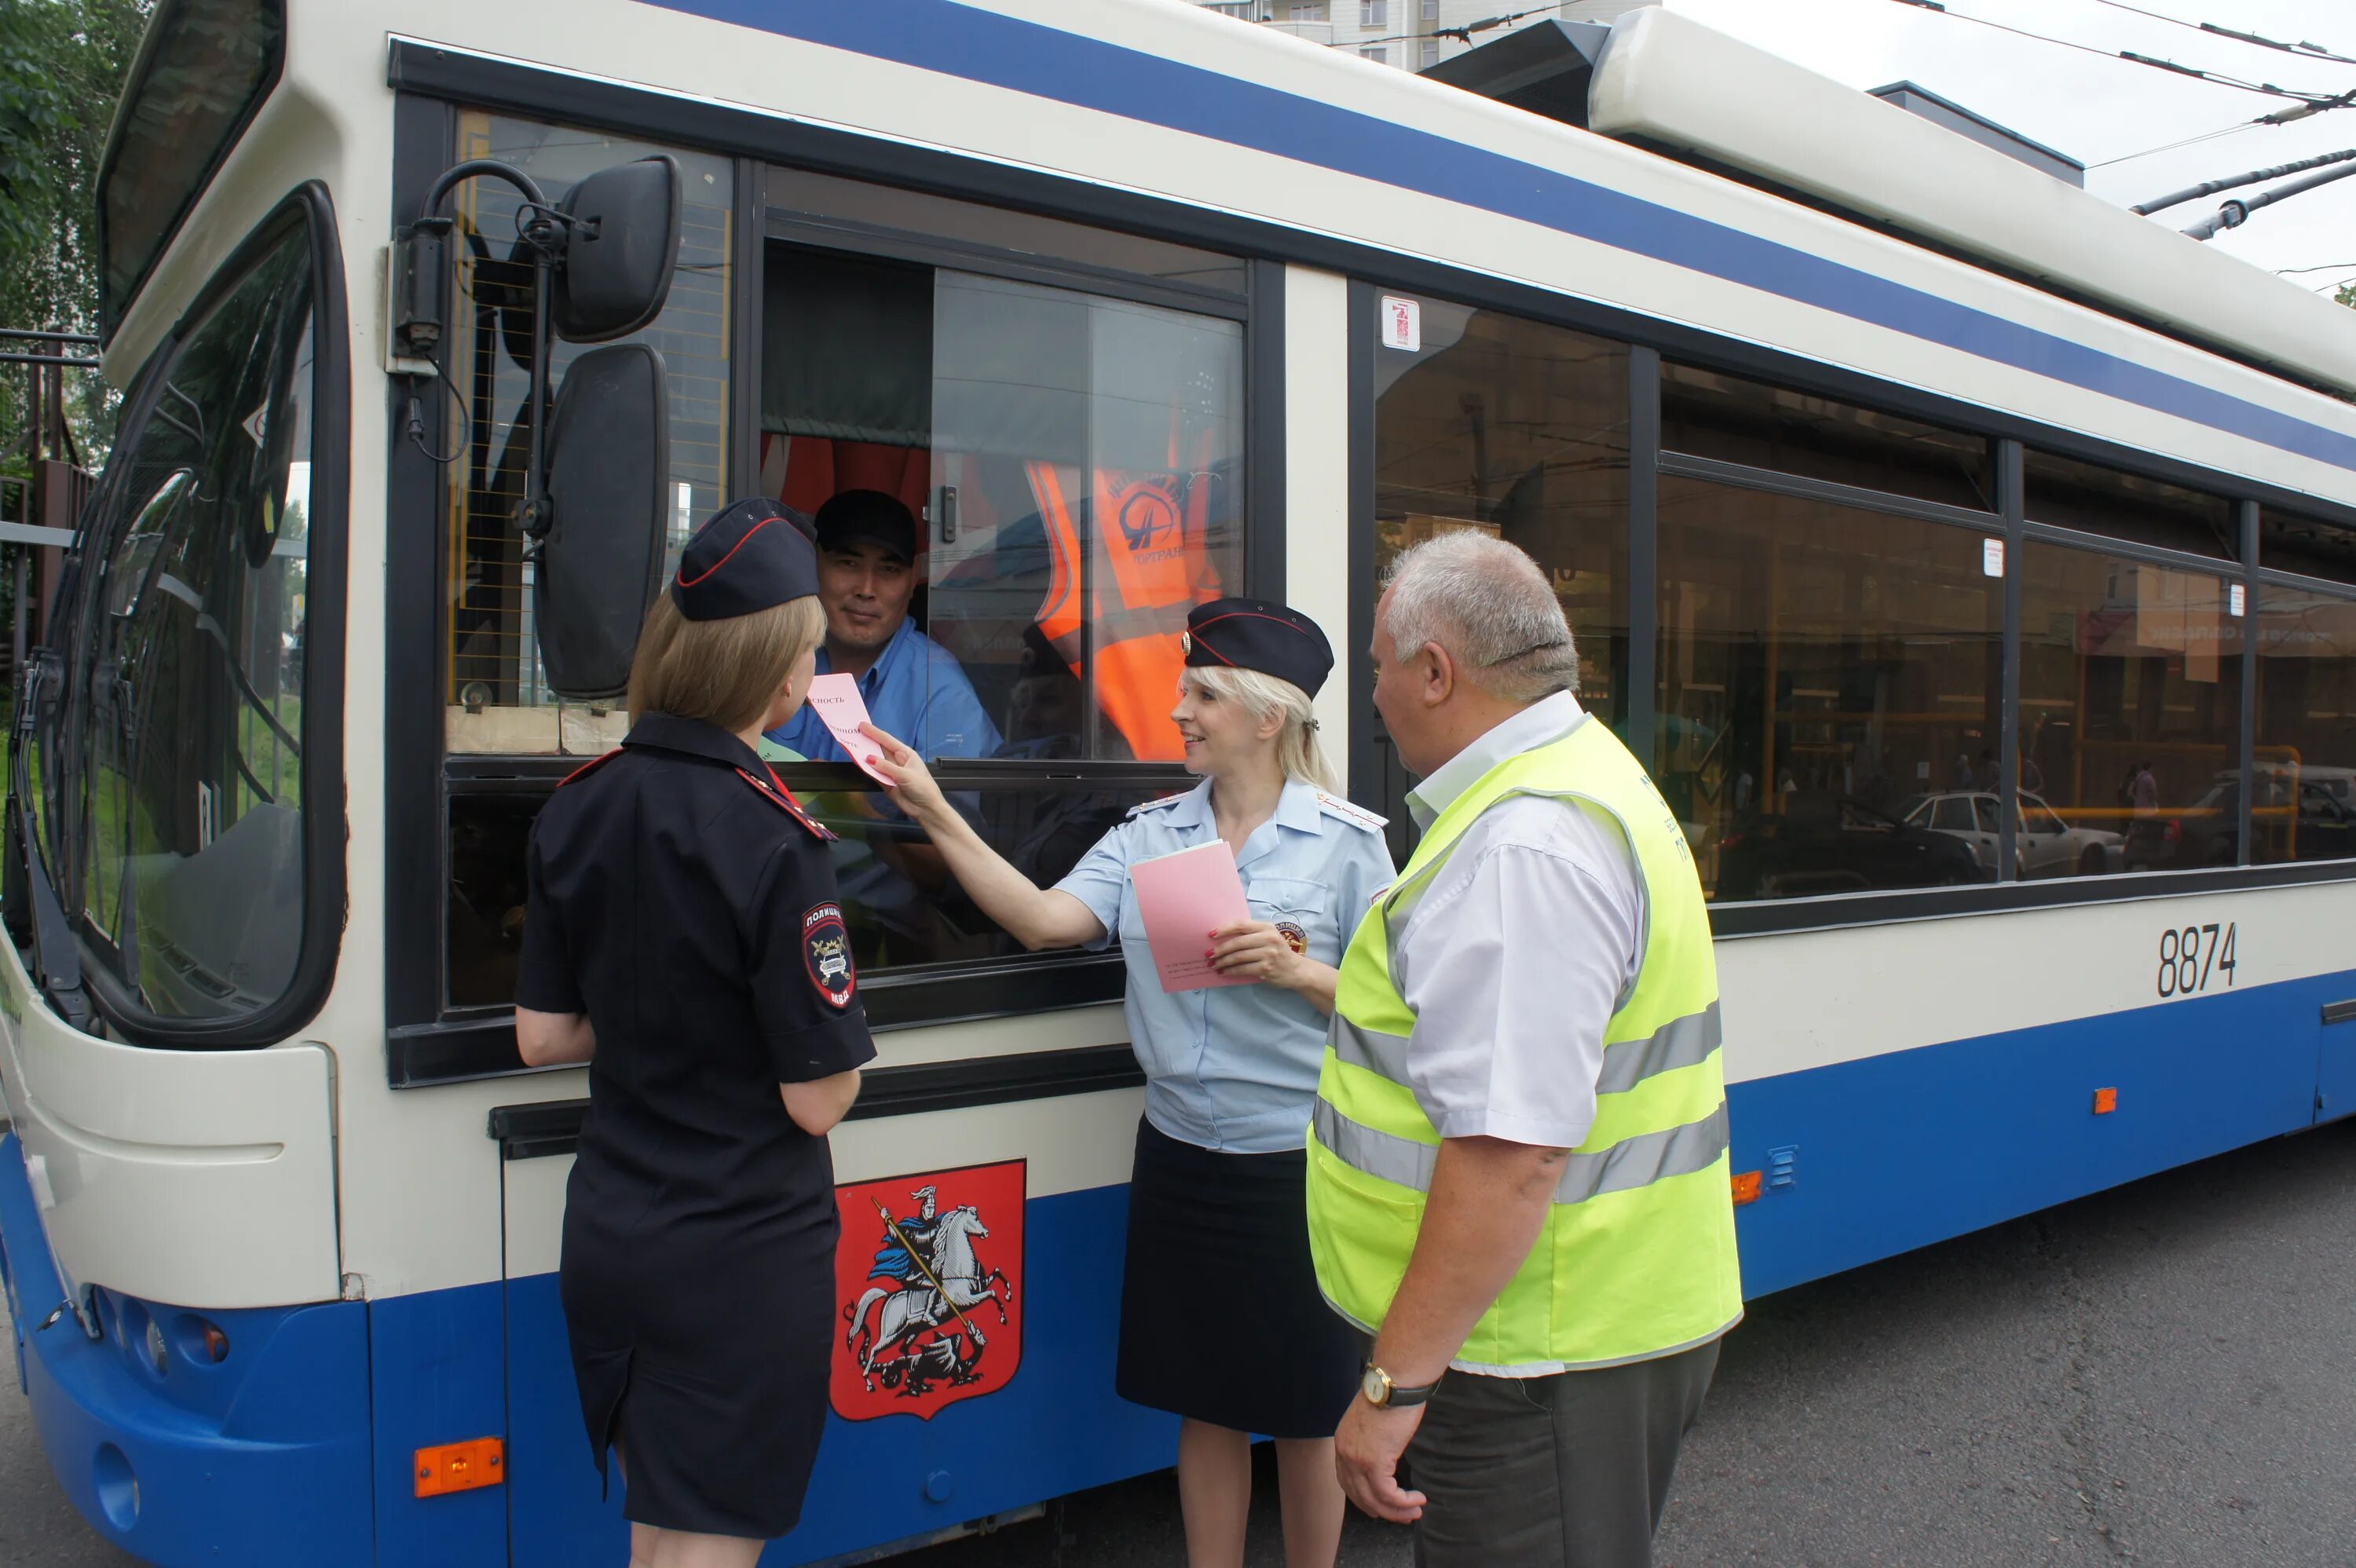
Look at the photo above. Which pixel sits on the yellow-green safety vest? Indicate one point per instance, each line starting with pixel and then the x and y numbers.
pixel 1637 1256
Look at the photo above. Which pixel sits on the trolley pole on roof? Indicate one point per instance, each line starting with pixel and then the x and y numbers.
pixel 2235 213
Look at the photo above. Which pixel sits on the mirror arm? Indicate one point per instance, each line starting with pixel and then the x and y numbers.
pixel 491 167
pixel 418 273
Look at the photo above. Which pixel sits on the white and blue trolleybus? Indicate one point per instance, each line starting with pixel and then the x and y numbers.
pixel 1973 563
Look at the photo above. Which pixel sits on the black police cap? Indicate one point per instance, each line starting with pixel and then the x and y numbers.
pixel 748 558
pixel 1254 633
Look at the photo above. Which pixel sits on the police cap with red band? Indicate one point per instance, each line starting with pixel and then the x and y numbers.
pixel 1255 634
pixel 748 557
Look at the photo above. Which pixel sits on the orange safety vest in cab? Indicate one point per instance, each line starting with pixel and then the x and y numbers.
pixel 1153 566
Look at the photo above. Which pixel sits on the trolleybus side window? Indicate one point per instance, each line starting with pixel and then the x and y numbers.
pixel 188 805
pixel 2130 705
pixel 2093 499
pixel 1518 430
pixel 2304 804
pixel 1821 668
pixel 1708 413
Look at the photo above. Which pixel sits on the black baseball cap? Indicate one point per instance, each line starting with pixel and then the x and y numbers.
pixel 869 514
pixel 746 558
pixel 1259 634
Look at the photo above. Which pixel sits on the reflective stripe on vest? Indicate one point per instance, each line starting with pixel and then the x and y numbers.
pixel 1150 535
pixel 1636 1258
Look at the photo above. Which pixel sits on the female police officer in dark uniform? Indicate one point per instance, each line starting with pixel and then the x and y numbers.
pixel 683 938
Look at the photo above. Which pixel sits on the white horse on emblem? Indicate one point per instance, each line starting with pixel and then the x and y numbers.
pixel 917 1307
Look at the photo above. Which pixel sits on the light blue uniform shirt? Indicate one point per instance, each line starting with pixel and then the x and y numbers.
pixel 916 691
pixel 1235 1068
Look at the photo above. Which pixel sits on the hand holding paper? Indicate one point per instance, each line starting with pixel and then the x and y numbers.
pixel 1183 897
pixel 835 699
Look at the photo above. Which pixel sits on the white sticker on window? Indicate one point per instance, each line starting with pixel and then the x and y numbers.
pixel 2233 600
pixel 1402 324
pixel 1991 558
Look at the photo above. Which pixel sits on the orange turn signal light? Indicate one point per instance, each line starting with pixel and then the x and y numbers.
pixel 1745 1187
pixel 460 1467
pixel 2105 1101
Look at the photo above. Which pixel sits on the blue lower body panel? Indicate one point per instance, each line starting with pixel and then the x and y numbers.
pixel 1898 1151
pixel 1055 1427
pixel 260 1457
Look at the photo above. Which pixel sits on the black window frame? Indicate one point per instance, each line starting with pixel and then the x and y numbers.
pixel 1650 460
pixel 428 81
pixel 430 1040
pixel 136 82
pixel 326 592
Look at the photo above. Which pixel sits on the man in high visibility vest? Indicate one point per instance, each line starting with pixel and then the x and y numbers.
pixel 1517 1164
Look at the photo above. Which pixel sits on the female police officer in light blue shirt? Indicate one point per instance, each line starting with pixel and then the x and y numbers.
pixel 1221 1321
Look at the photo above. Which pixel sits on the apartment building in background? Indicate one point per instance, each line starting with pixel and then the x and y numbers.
pixel 1412 34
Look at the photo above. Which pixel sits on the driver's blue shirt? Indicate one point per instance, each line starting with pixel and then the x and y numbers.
pixel 916 692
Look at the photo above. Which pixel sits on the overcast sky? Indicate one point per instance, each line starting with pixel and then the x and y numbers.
pixel 2097 109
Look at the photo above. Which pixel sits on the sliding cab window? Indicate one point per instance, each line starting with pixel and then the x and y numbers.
pixel 1064 447
pixel 175 769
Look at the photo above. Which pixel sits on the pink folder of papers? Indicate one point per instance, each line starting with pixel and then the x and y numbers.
pixel 835 699
pixel 1183 897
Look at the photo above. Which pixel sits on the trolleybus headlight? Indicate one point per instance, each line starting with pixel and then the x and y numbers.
pixel 157 1350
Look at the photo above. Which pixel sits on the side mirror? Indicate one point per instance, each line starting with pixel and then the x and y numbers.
pixel 601 559
pixel 621 247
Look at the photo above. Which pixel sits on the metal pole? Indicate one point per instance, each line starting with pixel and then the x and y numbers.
pixel 2235 213
pixel 2211 188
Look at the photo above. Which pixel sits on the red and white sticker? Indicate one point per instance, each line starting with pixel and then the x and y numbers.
pixel 1402 324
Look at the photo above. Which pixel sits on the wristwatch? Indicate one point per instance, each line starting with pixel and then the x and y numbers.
pixel 1385 1394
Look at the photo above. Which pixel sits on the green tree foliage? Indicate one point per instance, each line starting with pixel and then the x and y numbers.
pixel 61 67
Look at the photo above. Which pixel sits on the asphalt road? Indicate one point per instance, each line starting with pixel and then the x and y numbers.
pixel 2161 1375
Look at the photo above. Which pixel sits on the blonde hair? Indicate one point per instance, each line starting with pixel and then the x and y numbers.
pixel 723 672
pixel 1297 750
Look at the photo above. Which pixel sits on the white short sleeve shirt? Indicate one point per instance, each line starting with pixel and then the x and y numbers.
pixel 1517 957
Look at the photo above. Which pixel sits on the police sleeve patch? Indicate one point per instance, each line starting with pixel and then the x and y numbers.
pixel 826 952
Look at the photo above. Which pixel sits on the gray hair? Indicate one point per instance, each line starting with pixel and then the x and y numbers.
pixel 1489 605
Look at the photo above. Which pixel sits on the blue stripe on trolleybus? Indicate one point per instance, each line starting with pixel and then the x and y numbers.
pixel 1089 74
pixel 261 1458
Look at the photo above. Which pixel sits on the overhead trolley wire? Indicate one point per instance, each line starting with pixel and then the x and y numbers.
pixel 2215 78
pixel 2303 48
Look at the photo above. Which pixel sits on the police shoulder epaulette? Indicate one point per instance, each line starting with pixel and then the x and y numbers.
pixel 1165 804
pixel 1358 815
pixel 591 766
pixel 778 796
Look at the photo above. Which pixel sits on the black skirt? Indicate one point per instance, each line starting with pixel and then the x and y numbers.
pixel 704 1360
pixel 1220 1317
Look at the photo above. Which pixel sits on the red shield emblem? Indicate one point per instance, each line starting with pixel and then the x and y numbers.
pixel 930 1274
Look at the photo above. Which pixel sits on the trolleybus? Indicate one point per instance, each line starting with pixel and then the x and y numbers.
pixel 1973 562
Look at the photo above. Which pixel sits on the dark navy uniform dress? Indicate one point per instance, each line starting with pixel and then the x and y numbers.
pixel 680 898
